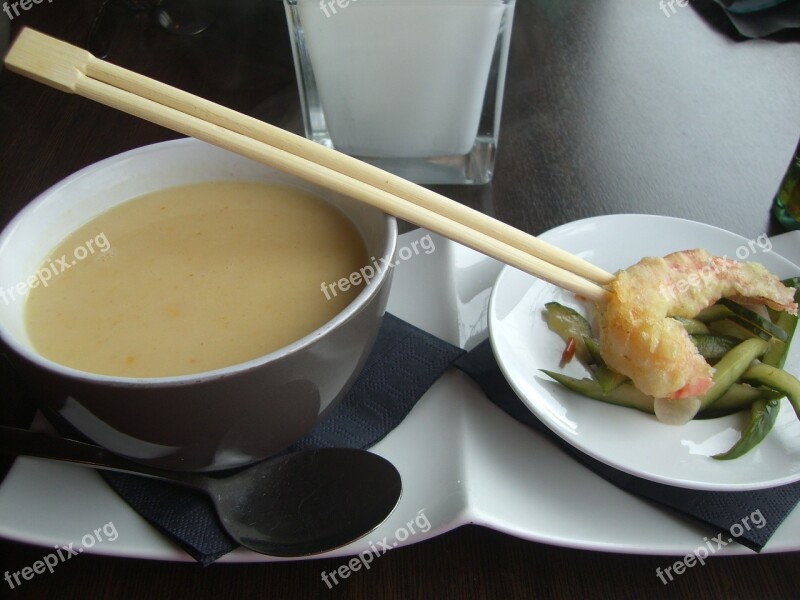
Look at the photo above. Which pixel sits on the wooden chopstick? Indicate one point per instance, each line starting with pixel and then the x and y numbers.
pixel 74 70
pixel 369 174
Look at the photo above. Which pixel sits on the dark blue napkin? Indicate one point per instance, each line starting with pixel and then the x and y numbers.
pixel 404 363
pixel 723 511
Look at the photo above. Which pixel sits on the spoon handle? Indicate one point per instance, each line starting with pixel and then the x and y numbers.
pixel 16 442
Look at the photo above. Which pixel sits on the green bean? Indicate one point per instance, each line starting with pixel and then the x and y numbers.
pixel 763 414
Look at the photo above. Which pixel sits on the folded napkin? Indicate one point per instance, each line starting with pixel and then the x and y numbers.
pixel 760 18
pixel 720 510
pixel 403 365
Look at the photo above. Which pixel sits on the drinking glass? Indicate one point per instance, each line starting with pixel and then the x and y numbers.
pixel 412 86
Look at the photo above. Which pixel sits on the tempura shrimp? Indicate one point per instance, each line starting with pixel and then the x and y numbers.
pixel 638 339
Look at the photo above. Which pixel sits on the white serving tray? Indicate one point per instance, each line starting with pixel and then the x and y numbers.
pixel 463 460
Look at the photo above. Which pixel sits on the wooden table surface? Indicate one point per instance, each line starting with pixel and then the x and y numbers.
pixel 611 106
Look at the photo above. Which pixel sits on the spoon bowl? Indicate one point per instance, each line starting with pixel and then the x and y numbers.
pixel 316 500
pixel 297 504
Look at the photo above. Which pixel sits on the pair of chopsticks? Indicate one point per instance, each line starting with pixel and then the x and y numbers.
pixel 74 70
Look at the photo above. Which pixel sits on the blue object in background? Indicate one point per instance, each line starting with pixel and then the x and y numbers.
pixel 742 7
pixel 759 18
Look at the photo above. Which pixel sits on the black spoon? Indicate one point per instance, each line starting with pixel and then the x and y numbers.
pixel 294 505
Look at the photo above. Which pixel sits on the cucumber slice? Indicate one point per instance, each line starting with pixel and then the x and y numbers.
pixel 754 319
pixel 763 414
pixel 793 282
pixel 692 325
pixel 788 323
pixel 715 312
pixel 623 395
pixel 777 379
pixel 730 368
pixel 750 328
pixel 712 346
pixel 738 396
pixel 776 355
pixel 738 328
pixel 608 378
pixel 568 323
pixel 593 348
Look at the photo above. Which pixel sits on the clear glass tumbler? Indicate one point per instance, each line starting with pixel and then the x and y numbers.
pixel 412 86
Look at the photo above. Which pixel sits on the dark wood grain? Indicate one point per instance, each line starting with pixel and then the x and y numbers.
pixel 469 563
pixel 610 107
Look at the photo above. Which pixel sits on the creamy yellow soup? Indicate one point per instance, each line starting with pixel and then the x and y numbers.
pixel 192 279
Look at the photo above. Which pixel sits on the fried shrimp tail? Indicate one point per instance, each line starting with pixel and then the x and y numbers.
pixel 639 340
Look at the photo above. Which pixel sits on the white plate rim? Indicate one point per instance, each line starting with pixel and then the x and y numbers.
pixel 518 383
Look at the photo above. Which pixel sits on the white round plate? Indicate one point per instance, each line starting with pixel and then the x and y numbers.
pixel 625 438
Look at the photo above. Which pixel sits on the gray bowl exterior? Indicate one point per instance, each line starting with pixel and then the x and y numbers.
pixel 214 420
pixel 222 422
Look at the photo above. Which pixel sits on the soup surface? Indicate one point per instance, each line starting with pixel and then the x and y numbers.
pixel 192 279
